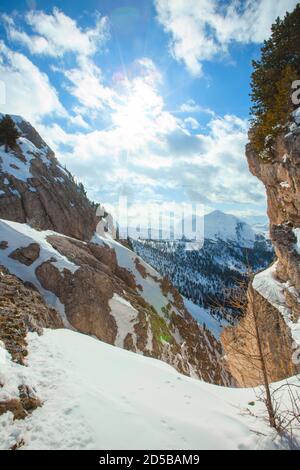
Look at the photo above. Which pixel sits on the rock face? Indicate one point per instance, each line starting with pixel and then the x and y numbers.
pixel 277 290
pixel 26 255
pixel 35 189
pixel 22 309
pixel 240 344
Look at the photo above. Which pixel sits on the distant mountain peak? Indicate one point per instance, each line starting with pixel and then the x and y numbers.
pixel 227 227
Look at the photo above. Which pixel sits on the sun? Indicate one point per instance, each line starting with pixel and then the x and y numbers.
pixel 138 110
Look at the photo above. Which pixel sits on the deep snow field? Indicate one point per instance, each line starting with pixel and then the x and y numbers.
pixel 98 396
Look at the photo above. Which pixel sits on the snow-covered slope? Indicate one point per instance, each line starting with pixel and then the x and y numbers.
pixel 99 397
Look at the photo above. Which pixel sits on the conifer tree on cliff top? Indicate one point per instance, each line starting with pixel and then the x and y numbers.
pixel 272 78
pixel 8 133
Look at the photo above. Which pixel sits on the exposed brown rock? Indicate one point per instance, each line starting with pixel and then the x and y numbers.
pixel 240 345
pixel 3 245
pixel 22 309
pixel 281 177
pixel 26 255
pixel 22 406
pixel 15 407
pixel 141 269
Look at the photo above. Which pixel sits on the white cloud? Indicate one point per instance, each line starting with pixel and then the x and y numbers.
pixel 78 120
pixel 191 123
pixel 28 90
pixel 85 84
pixel 56 33
pixel 190 106
pixel 202 29
pixel 150 155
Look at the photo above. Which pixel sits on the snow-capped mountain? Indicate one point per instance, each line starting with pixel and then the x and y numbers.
pixel 231 248
pixel 228 228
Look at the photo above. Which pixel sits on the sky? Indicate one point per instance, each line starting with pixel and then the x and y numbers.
pixel 147 99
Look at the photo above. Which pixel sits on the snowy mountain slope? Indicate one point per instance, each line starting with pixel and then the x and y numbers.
pixel 103 289
pixel 204 275
pixel 205 318
pixel 259 224
pixel 227 227
pixel 99 397
pixel 35 189
pixel 145 276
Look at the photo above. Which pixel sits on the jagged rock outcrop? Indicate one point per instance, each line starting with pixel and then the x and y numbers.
pixel 22 309
pixel 276 290
pixel 35 189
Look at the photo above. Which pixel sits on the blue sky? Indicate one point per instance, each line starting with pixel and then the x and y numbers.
pixel 144 98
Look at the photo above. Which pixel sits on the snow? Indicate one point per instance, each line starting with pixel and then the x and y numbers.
pixel 203 316
pixel 96 396
pixel 15 192
pixel 227 227
pixel 297 116
pixel 285 184
pixel 20 170
pixel 12 165
pixel 125 315
pixel 296 232
pixel 21 235
pixel 126 258
pixel 268 286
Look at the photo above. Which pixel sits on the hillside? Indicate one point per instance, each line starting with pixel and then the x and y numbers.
pixel 98 397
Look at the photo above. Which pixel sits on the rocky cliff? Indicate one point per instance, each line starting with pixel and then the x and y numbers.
pixel 36 189
pixel 98 286
pixel 276 291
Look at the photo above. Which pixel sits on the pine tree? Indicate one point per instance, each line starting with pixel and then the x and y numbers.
pixel 8 133
pixel 81 189
pixel 272 79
